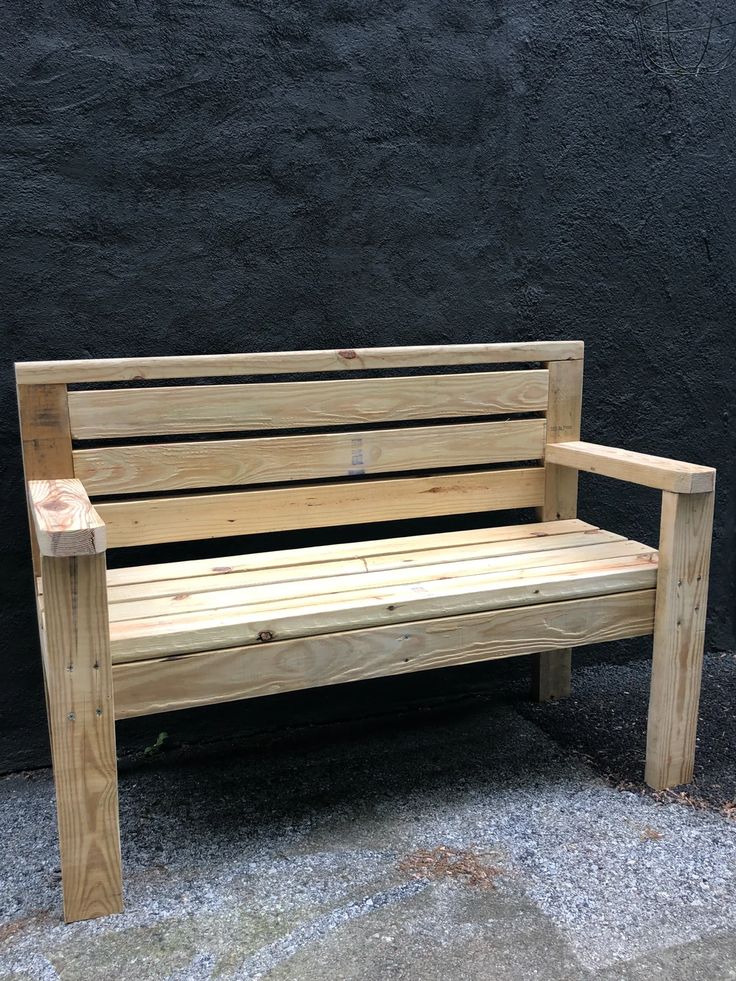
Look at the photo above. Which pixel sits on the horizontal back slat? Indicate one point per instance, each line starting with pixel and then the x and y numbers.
pixel 153 520
pixel 294 405
pixel 228 463
pixel 291 362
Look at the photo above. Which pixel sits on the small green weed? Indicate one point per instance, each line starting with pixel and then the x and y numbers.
pixel 155 747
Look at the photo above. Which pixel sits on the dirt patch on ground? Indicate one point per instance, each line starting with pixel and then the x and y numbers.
pixel 13 927
pixel 443 862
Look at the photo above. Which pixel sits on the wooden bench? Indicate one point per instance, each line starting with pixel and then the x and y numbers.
pixel 400 433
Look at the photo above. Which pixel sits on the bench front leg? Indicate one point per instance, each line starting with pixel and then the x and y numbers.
pixel 78 680
pixel 78 674
pixel 679 637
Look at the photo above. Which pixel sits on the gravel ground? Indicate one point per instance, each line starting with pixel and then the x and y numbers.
pixel 306 857
pixel 604 720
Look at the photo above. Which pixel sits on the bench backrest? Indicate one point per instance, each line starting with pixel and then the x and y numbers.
pixel 372 435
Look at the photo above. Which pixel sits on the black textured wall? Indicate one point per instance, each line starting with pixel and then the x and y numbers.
pixel 214 176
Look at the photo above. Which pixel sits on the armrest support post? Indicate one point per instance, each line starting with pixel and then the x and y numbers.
pixel 551 671
pixel 78 673
pixel 679 637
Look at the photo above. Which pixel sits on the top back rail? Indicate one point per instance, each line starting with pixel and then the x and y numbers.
pixel 290 362
pixel 445 423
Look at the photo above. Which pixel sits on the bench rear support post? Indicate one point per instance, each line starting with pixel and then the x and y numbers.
pixel 78 673
pixel 679 636
pixel 551 671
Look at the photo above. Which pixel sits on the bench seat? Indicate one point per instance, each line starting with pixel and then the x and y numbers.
pixel 184 607
pixel 205 631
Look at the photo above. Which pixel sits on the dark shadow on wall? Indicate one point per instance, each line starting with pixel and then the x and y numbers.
pixel 233 176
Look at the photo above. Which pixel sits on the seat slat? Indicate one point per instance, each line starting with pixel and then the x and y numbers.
pixel 404 546
pixel 108 413
pixel 136 639
pixel 285 565
pixel 127 592
pixel 149 521
pixel 227 463
pixel 352 577
pixel 291 362
pixel 145 687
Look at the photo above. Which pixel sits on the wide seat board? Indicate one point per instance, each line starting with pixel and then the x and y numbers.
pixel 187 607
pixel 161 685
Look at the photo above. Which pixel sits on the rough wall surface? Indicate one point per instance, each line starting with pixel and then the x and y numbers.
pixel 219 176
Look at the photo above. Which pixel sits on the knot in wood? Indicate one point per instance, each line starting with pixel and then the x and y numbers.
pixel 265 635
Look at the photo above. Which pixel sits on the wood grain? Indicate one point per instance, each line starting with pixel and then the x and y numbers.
pixel 638 468
pixel 403 546
pixel 291 362
pixel 65 521
pixel 218 676
pixel 348 610
pixel 311 584
pixel 108 413
pixel 253 572
pixel 227 463
pixel 147 521
pixel 46 442
pixel 81 720
pixel 551 673
pixel 679 636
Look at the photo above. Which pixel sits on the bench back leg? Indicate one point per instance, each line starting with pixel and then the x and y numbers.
pixel 551 671
pixel 679 637
pixel 78 673
pixel 551 675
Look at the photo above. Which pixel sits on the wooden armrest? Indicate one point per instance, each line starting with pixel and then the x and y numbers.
pixel 637 468
pixel 66 523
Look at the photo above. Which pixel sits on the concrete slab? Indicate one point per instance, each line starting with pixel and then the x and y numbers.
pixel 444 931
pixel 710 959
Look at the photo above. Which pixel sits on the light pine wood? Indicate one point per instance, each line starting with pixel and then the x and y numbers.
pixel 65 521
pixel 81 720
pixel 179 634
pixel 227 463
pixel 46 441
pixel 147 521
pixel 331 582
pixel 384 547
pixel 637 468
pixel 679 631
pixel 107 413
pixel 218 676
pixel 184 588
pixel 291 362
pixel 349 610
pixel 551 672
pixel 563 424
